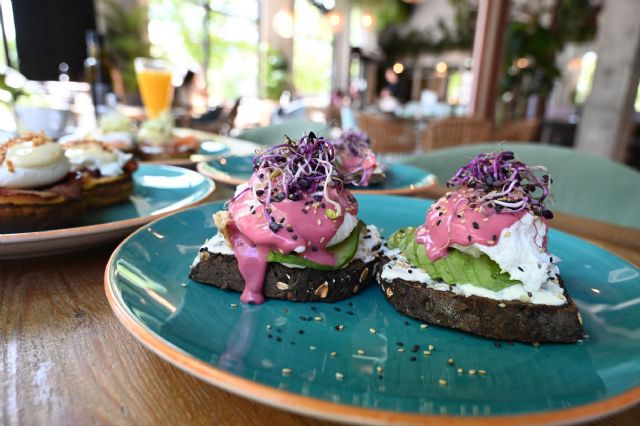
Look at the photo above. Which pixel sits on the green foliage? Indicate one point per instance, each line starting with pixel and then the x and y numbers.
pixel 434 40
pixel 386 13
pixel 276 78
pixel 125 40
pixel 538 43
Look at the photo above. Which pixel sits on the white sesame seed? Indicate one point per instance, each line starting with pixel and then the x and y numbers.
pixel 318 318
pixel 360 352
pixel 313 348
pixel 268 326
pixel 502 305
pixel 423 326
pixel 442 382
pixel 431 347
pixel 460 370
pixel 372 330
pixel 379 369
pixel 333 354
pixel 426 352
pixel 450 361
pixel 482 372
pixel 472 372
pixel 286 371
pixel 400 349
pixel 234 305
pixel 339 376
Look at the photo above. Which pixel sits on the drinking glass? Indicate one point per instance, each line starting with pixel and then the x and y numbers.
pixel 154 82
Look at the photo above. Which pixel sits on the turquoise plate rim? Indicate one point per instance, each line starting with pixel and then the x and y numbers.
pixel 309 406
pixel 429 181
pixel 113 225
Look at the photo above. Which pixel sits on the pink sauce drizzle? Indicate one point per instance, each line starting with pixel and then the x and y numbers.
pixel 350 163
pixel 451 220
pixel 304 226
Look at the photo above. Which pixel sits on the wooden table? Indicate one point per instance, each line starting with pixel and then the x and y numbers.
pixel 67 360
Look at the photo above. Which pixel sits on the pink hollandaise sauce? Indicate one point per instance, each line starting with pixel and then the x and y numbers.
pixel 366 162
pixel 454 220
pixel 304 226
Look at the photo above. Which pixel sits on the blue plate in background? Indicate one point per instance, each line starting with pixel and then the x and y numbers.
pixel 401 179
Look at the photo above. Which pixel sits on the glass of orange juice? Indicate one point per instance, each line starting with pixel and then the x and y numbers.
pixel 154 82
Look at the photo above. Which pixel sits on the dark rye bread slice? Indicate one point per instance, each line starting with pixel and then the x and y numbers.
pixel 501 320
pixel 282 282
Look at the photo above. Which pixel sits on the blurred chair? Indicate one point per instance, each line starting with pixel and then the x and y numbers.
pixel 583 184
pixel 454 131
pixel 217 121
pixel 388 134
pixel 527 130
pixel 273 134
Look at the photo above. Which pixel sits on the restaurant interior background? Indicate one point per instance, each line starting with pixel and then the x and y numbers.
pixel 389 67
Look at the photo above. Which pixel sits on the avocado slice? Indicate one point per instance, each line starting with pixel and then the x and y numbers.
pixel 344 252
pixel 455 268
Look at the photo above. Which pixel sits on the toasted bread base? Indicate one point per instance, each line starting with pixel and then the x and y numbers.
pixel 282 282
pixel 495 319
pixel 37 217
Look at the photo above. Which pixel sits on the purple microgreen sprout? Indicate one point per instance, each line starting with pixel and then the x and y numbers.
pixel 504 183
pixel 296 168
pixel 356 144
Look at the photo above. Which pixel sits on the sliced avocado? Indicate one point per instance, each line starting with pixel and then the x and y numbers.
pixel 344 252
pixel 455 268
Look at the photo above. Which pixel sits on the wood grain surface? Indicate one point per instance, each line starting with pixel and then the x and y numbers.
pixel 67 360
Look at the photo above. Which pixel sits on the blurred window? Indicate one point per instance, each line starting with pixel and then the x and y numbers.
pixel 177 32
pixel 312 50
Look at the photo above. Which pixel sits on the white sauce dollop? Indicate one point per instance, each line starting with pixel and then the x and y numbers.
pixel 94 157
pixel 27 166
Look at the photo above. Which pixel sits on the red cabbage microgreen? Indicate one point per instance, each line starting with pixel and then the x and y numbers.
pixel 296 168
pixel 504 183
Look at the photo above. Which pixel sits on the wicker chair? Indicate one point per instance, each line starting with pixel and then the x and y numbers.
pixel 388 135
pixel 518 131
pixel 455 131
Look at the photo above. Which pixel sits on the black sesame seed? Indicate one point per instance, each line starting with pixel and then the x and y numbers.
pixel 313 308
pixel 275 227
pixel 269 335
pixel 289 228
pixel 469 237
pixel 438 222
pixel 349 312
pixel 323 206
pixel 281 221
pixel 475 225
pixel 350 303
pixel 494 238
pixel 520 269
pixel 410 271
pixel 259 192
pixel 300 331
pixel 302 318
pixel 314 248
pixel 406 323
pixel 399 344
pixel 337 309
pixel 415 348
pixel 295 237
pixel 292 342
pixel 279 339
pixel 413 358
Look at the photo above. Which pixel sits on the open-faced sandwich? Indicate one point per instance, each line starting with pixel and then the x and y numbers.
pixel 355 159
pixel 480 262
pixel 116 131
pixel 291 232
pixel 157 141
pixel 38 189
pixel 106 172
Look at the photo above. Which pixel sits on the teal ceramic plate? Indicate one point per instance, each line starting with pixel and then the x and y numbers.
pixel 402 179
pixel 158 190
pixel 384 376
pixel 211 144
